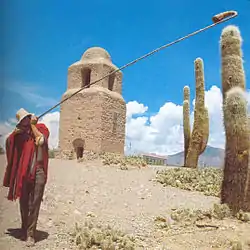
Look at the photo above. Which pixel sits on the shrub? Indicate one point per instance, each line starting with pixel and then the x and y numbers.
pixel 112 159
pixel 1 150
pixel 194 217
pixel 51 153
pixel 94 236
pixel 205 180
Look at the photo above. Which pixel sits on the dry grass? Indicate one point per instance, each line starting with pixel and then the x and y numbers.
pixel 218 212
pixel 1 150
pixel 51 154
pixel 205 180
pixel 187 217
pixel 123 161
pixel 188 220
pixel 95 236
pixel 112 159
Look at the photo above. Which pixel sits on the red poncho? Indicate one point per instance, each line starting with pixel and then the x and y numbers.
pixel 20 149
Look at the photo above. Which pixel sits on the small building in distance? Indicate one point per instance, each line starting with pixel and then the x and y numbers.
pixel 153 159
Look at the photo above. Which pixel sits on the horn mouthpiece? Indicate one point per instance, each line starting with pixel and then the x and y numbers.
pixel 219 17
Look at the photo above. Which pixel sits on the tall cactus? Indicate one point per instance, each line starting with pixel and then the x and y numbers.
pixel 234 190
pixel 196 143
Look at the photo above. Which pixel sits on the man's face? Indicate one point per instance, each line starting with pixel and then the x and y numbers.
pixel 25 124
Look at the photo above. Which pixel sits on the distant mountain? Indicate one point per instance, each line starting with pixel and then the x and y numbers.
pixel 213 157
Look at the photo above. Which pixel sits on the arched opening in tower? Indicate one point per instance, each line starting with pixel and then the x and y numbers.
pixel 111 82
pixel 86 76
pixel 78 145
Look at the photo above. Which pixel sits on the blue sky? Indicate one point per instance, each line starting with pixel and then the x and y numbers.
pixel 41 39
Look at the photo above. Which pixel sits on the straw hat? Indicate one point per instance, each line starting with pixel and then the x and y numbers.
pixel 21 114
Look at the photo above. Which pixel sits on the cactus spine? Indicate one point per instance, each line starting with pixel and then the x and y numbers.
pixel 196 143
pixel 236 174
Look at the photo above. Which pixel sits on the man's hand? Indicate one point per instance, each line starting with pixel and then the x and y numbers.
pixel 18 131
pixel 38 135
pixel 33 120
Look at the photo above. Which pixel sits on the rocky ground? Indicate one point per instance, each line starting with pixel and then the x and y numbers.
pixel 127 199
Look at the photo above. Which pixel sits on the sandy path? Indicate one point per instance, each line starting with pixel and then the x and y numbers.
pixel 124 198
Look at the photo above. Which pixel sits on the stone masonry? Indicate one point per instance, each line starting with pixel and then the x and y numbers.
pixel 94 119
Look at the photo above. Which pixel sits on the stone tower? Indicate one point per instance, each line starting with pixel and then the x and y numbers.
pixel 94 119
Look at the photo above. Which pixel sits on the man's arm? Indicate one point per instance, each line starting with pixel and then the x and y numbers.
pixel 9 151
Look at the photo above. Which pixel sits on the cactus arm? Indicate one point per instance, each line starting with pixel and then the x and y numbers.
pixel 197 133
pixel 186 121
pixel 231 59
pixel 237 148
pixel 186 128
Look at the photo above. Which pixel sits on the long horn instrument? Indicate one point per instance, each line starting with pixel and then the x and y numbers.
pixel 217 19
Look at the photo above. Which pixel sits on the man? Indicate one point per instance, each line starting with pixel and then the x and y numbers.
pixel 26 171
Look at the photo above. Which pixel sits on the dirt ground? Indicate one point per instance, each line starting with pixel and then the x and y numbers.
pixel 127 199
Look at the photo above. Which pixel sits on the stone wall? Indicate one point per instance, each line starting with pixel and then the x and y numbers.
pixel 113 120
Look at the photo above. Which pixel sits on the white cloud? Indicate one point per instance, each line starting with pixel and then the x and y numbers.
pixel 213 101
pixel 161 133
pixel 156 133
pixel 135 108
pixel 51 120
